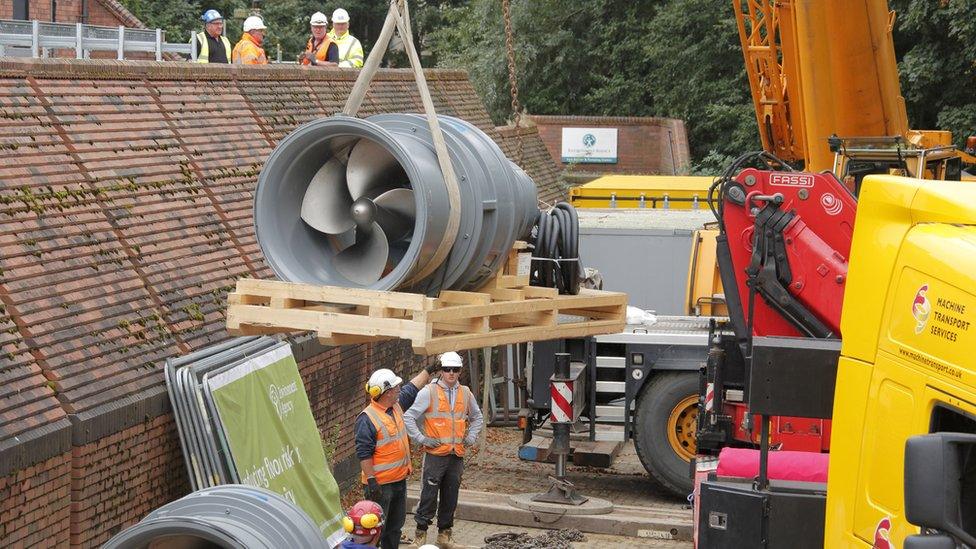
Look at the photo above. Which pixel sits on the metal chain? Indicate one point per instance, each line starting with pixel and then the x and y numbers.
pixel 552 539
pixel 512 81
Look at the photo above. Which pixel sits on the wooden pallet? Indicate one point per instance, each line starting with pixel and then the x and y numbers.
pixel 505 311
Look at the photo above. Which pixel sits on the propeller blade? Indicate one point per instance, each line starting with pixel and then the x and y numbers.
pixel 370 168
pixel 363 262
pixel 396 212
pixel 326 204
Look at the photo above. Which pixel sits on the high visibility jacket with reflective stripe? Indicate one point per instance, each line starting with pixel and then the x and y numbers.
pixel 248 52
pixel 322 53
pixel 391 459
pixel 446 424
pixel 350 50
pixel 203 56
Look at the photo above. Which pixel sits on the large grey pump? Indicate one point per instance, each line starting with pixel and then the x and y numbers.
pixel 362 203
pixel 231 516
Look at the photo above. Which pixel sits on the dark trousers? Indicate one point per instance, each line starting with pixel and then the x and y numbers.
pixel 394 504
pixel 441 477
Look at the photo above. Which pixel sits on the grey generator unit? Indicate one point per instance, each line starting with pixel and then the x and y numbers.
pixel 643 252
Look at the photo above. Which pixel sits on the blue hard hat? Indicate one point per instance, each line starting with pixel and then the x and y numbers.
pixel 210 16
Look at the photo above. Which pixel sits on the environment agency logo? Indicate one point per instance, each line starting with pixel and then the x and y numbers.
pixel 589 140
pixel 921 308
pixel 278 394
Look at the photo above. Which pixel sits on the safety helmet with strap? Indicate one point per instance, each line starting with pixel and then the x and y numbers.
pixel 382 381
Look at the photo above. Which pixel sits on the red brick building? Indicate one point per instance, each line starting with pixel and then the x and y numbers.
pixel 109 13
pixel 645 146
pixel 126 191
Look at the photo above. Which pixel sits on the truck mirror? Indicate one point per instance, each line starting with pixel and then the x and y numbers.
pixel 923 541
pixel 940 484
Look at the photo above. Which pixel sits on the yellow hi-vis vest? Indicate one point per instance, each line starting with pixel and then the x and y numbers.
pixel 203 56
pixel 446 424
pixel 391 458
pixel 350 50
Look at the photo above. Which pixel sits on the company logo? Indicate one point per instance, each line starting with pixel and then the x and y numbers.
pixel 791 179
pixel 882 535
pixel 830 204
pixel 921 308
pixel 278 396
pixel 589 140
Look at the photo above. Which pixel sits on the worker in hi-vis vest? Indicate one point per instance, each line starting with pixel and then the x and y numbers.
pixel 383 448
pixel 320 51
pixel 350 50
pixel 248 50
pixel 212 46
pixel 451 423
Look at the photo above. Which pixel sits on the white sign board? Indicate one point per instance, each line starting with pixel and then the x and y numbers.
pixel 590 145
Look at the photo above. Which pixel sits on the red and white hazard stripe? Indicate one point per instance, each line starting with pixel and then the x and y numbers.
pixel 562 401
pixel 709 397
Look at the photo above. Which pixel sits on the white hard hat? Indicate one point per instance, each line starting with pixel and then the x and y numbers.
pixel 451 360
pixel 318 19
pixel 340 16
pixel 253 23
pixel 381 381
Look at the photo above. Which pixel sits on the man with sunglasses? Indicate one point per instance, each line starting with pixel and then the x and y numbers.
pixel 451 423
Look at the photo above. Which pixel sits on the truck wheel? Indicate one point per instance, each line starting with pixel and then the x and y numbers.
pixel 664 428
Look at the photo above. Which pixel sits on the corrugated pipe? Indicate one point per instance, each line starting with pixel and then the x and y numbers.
pixel 231 516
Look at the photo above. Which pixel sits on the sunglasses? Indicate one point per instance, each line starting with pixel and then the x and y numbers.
pixel 451 370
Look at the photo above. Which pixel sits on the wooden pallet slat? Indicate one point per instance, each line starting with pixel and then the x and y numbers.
pixel 505 310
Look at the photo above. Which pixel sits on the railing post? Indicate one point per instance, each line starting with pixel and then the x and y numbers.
pixel 35 38
pixel 79 50
pixel 121 54
pixel 159 44
pixel 193 48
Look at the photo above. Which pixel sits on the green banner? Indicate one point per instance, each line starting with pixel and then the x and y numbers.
pixel 273 437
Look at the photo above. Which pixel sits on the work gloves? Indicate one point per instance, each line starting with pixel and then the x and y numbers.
pixel 373 490
pixel 432 367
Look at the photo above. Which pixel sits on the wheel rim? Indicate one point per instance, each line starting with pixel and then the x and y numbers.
pixel 681 427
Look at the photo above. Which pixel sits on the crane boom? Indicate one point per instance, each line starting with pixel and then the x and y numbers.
pixel 819 68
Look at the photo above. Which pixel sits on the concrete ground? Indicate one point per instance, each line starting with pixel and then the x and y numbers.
pixel 495 468
pixel 473 534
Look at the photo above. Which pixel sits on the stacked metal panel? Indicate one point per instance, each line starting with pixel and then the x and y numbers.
pixel 204 443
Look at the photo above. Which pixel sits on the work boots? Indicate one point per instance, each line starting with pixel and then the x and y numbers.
pixel 419 539
pixel 444 539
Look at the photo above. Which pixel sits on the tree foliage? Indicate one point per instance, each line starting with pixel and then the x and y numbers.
pixel 669 58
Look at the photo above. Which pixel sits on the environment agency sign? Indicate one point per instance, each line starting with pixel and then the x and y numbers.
pixel 273 438
pixel 589 145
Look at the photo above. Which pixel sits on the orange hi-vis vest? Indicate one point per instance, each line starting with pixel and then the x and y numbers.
pixel 322 53
pixel 391 459
pixel 248 52
pixel 444 424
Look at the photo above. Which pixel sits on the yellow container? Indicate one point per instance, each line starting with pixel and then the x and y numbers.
pixel 643 191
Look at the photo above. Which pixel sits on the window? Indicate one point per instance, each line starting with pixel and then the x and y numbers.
pixel 22 9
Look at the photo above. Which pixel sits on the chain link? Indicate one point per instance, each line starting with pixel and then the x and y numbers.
pixel 552 539
pixel 512 81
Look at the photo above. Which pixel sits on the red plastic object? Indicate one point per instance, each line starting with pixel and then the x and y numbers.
pixel 783 465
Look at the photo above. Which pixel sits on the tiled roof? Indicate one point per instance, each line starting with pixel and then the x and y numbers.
pixel 125 16
pixel 125 212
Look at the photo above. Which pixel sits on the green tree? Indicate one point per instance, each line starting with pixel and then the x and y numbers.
pixel 936 46
pixel 677 58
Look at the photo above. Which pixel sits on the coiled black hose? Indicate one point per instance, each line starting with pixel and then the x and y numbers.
pixel 555 260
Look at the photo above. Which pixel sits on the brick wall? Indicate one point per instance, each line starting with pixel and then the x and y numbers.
pixel 35 509
pixel 125 218
pixel 645 146
pixel 107 13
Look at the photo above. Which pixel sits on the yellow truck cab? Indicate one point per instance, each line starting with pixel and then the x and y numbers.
pixel 907 369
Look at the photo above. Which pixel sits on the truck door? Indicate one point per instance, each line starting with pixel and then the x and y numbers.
pixel 922 380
